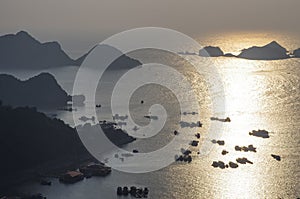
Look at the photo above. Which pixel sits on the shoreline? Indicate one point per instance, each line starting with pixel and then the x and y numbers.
pixel 56 168
pixel 51 169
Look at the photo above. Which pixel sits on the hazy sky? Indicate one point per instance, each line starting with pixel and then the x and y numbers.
pixel 78 24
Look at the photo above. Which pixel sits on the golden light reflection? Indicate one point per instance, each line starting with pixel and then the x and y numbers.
pixel 243 90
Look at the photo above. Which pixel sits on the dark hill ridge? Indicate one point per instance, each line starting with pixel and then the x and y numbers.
pixel 39 91
pixel 21 50
pixel 29 138
pixel 31 143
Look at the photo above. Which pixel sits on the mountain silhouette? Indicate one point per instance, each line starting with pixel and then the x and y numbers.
pixel 211 51
pixel 21 51
pixel 271 51
pixel 103 51
pixel 32 143
pixel 39 91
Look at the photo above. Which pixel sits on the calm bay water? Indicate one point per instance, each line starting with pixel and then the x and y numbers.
pixel 259 95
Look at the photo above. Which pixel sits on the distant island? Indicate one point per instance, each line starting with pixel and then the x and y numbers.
pixel 22 51
pixel 271 51
pixel 211 51
pixel 32 143
pixel 41 91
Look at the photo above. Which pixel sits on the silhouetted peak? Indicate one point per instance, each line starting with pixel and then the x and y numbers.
pixel 104 50
pixel 41 90
pixel 7 77
pixel 271 51
pixel 275 44
pixel 211 51
pixel 21 50
pixel 24 35
pixel 43 77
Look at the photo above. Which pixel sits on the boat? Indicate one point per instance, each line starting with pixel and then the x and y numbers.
pixel 233 165
pixel 194 143
pixel 146 191
pixel 260 133
pixel 94 169
pixel 119 191
pixel 135 151
pixel 180 158
pixel 125 191
pixel 199 124
pixel 187 152
pixel 71 177
pixel 133 191
pixel 224 152
pixel 276 157
pixel 227 119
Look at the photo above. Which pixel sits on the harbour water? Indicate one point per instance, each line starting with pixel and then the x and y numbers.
pixel 259 95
